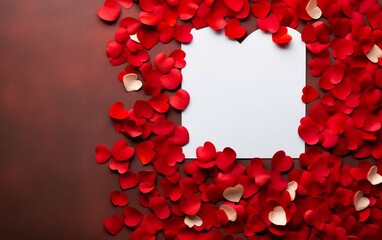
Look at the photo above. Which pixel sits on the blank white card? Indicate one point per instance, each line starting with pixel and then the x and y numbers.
pixel 245 96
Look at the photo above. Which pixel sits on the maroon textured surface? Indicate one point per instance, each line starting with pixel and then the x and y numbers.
pixel 56 86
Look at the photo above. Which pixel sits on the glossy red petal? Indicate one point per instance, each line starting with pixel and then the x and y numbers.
pixel 190 205
pixel 261 8
pixel 145 151
pixel 160 207
pixel 225 160
pixel 114 224
pixel 270 24
pixel 206 153
pixel 122 151
pixel 281 162
pixel 234 5
pixel 119 198
pixel 132 216
pixel 128 180
pixel 110 11
pixel 309 94
pixel 117 111
pixel 234 30
pixel 180 100
pixel 281 37
pixel 102 154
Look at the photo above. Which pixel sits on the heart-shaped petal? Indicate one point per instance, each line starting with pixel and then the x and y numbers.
pixel 191 221
pixel 360 202
pixel 309 94
pixel 229 211
pixel 132 216
pixel 114 224
pixel 291 189
pixel 118 198
pixel 374 54
pixel 122 151
pixel 373 176
pixel 131 82
pixel 313 10
pixel 109 11
pixel 145 151
pixel 234 194
pixel 281 37
pixel 180 100
pixel 103 154
pixel 277 216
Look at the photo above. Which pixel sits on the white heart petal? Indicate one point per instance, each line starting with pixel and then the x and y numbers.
pixel 134 38
pixel 229 211
pixel 374 54
pixel 191 221
pixel 278 216
pixel 131 82
pixel 292 187
pixel 373 176
pixel 234 194
pixel 360 202
pixel 313 10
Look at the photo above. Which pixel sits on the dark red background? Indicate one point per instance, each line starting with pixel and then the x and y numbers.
pixel 56 86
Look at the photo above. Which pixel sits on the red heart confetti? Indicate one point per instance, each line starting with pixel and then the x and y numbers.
pixel 110 11
pixel 309 94
pixel 103 154
pixel 180 100
pixel 234 30
pixel 119 198
pixel 132 216
pixel 114 224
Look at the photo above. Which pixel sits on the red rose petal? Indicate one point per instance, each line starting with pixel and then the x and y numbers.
pixel 122 151
pixel 163 63
pixel 180 136
pixel 190 205
pixel 206 153
pixel 145 151
pixel 270 23
pixel 180 100
pixel 308 131
pixel 226 159
pixel 103 154
pixel 121 167
pixel 114 224
pixel 109 11
pixel 172 80
pixel 182 33
pixel 179 56
pixel 281 162
pixel 119 198
pixel 117 111
pixel 261 8
pixel 126 3
pixel 234 30
pixel 132 216
pixel 147 37
pixel 160 207
pixel 163 127
pixel 128 180
pixel 309 94
pixel 281 37
pixel 142 109
pixel 152 18
pixel 216 21
pixel 235 5
pixel 160 103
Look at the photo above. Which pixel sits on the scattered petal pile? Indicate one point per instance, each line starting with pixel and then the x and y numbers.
pixel 214 196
